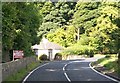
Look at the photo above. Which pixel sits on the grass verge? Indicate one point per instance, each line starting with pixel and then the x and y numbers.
pixel 110 62
pixel 19 76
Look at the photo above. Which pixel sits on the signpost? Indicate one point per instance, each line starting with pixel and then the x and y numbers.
pixel 17 54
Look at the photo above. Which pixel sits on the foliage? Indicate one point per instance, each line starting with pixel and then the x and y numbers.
pixel 61 36
pixel 96 23
pixel 78 50
pixel 43 57
pixel 58 56
pixel 89 25
pixel 110 63
pixel 21 73
pixel 98 27
pixel 20 25
pixel 56 15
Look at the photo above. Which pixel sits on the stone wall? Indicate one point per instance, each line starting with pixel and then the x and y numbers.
pixel 14 66
pixel 72 57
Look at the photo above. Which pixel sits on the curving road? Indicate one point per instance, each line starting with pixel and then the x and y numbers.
pixel 68 71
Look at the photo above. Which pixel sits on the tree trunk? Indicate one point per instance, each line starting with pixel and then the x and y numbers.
pixel 78 34
pixel 119 63
pixel 119 58
pixel 5 56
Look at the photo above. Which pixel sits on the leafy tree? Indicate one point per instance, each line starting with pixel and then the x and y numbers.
pixel 8 28
pixel 45 7
pixel 61 36
pixel 20 25
pixel 85 16
pixel 105 28
pixel 94 26
pixel 59 15
pixel 98 22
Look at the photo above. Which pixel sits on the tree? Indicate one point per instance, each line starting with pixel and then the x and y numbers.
pixel 63 37
pixel 106 29
pixel 20 25
pixel 98 22
pixel 8 28
pixel 85 16
pixel 59 15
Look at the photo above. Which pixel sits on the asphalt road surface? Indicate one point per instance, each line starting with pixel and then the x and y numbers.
pixel 68 71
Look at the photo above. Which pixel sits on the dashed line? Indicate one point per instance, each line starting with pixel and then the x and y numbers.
pixel 33 71
pixel 103 74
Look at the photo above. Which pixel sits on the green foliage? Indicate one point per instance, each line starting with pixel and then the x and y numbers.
pixel 21 73
pixel 90 25
pixel 110 62
pixel 61 36
pixel 58 56
pixel 21 22
pixel 98 29
pixel 55 15
pixel 43 57
pixel 97 21
pixel 78 50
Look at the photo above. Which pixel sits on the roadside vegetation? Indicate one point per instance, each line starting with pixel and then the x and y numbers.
pixel 19 76
pixel 110 62
pixel 80 27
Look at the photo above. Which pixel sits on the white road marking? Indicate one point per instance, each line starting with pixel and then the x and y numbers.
pixel 65 67
pixel 103 74
pixel 33 71
pixel 67 77
pixel 65 72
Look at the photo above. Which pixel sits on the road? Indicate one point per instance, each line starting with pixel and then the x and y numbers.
pixel 68 71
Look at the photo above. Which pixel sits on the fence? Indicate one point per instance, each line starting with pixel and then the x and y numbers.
pixel 14 66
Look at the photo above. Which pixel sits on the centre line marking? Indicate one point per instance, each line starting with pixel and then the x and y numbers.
pixel 65 71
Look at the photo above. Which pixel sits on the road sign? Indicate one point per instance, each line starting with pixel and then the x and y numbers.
pixel 17 54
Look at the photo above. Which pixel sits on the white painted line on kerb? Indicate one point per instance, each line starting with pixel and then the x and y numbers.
pixel 103 74
pixel 33 71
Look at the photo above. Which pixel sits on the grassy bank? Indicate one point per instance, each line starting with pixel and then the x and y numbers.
pixel 19 76
pixel 110 63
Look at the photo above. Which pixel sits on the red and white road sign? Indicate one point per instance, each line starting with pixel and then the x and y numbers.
pixel 18 54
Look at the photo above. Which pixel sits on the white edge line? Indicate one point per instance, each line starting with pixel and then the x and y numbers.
pixel 33 71
pixel 103 74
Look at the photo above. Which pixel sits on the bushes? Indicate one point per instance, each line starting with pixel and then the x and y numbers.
pixel 58 56
pixel 43 57
pixel 107 56
pixel 79 50
pixel 91 53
